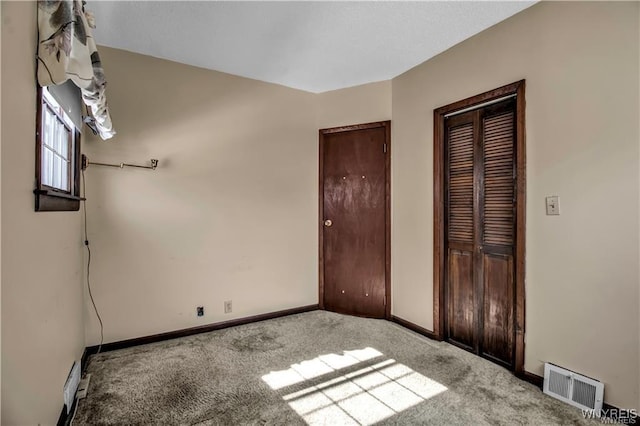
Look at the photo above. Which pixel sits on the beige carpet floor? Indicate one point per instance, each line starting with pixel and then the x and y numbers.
pixel 312 368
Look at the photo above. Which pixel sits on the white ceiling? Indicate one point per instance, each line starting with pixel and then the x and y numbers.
pixel 313 46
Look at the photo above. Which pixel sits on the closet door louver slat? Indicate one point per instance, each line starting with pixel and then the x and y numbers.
pixel 499 179
pixel 461 183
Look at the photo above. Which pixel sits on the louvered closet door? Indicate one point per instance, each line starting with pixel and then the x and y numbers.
pixel 461 312
pixel 497 239
pixel 480 214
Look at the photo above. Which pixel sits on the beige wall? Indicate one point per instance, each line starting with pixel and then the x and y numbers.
pixel 42 324
pixel 580 61
pixel 355 105
pixel 230 214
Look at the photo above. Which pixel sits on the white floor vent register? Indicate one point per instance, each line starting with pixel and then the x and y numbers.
pixel 573 388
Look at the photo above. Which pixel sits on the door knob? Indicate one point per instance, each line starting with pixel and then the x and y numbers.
pixel 328 222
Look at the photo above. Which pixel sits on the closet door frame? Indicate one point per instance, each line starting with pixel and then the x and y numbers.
pixel 439 196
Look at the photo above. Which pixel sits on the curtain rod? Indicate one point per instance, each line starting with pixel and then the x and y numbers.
pixel 86 163
pixel 484 104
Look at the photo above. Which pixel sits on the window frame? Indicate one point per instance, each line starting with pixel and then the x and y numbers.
pixel 48 198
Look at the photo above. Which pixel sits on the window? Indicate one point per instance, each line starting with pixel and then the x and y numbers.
pixel 57 156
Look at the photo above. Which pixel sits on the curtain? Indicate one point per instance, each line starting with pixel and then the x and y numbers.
pixel 67 51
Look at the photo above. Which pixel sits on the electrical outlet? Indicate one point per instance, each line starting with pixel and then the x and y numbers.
pixel 200 311
pixel 227 307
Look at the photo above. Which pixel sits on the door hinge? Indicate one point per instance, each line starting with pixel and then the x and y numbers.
pixel 384 148
pixel 385 300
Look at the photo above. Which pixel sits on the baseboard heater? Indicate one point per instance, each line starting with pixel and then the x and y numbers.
pixel 71 385
pixel 573 388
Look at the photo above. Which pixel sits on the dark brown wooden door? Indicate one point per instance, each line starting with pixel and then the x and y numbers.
pixel 480 178
pixel 353 217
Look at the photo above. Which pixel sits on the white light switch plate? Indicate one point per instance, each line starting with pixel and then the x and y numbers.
pixel 553 205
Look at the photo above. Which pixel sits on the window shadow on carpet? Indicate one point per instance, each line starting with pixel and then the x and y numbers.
pixel 362 395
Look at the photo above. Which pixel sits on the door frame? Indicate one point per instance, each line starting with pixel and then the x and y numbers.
pixel 439 255
pixel 387 267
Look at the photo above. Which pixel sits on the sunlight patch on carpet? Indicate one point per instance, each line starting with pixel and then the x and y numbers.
pixel 362 397
pixel 316 367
